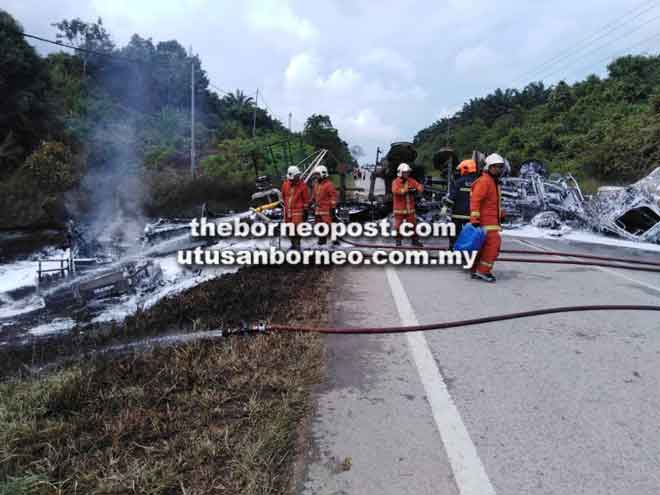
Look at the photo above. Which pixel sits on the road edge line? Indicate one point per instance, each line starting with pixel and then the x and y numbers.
pixel 469 472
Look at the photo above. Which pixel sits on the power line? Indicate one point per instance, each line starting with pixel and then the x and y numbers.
pixel 277 116
pixel 590 39
pixel 219 89
pixel 77 48
pixel 595 36
pixel 563 67
pixel 625 50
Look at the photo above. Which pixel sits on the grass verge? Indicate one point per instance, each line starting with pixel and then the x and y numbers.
pixel 208 417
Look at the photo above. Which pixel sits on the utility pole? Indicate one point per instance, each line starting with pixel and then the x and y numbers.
pixel 254 116
pixel 290 115
pixel 192 113
pixel 448 128
pixel 372 177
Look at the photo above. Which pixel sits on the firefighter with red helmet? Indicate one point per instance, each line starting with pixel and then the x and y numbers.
pixel 458 198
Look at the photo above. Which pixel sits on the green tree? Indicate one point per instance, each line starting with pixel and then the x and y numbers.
pixel 320 133
pixel 51 166
pixel 24 106
pixel 606 128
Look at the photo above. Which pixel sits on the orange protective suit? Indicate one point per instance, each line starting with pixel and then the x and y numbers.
pixel 325 198
pixel 295 197
pixel 485 210
pixel 404 200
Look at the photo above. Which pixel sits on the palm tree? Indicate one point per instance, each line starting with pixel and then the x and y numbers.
pixel 239 107
pixel 238 100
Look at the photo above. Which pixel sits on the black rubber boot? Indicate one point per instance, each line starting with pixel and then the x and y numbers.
pixel 485 277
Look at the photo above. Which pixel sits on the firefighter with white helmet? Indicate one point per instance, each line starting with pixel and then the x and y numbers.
pixel 402 169
pixel 324 198
pixel 295 197
pixel 292 172
pixel 404 188
pixel 486 212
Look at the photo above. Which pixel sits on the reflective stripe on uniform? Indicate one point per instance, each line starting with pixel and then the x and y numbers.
pixel 462 217
pixel 403 212
pixel 485 263
pixel 465 189
pixel 492 228
pixel 475 214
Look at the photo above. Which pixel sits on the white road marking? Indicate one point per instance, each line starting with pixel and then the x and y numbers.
pixel 601 268
pixel 469 472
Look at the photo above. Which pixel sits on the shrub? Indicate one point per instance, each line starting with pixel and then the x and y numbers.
pixel 51 166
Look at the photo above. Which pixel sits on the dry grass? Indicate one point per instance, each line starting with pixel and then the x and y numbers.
pixel 279 294
pixel 210 417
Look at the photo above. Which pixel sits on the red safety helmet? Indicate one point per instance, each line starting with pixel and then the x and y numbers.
pixel 467 167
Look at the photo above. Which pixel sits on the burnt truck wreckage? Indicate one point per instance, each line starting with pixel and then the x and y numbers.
pixel 90 273
pixel 631 212
pixel 534 192
pixel 537 197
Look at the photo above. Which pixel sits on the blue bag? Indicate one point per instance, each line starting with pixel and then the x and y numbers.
pixel 471 238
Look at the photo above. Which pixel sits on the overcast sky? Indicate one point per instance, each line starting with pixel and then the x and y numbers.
pixel 381 70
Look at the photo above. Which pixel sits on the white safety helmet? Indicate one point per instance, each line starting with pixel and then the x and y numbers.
pixel 494 159
pixel 292 172
pixel 322 170
pixel 404 167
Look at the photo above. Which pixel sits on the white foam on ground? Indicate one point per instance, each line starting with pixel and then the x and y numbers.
pixel 21 306
pixel 177 279
pixel 20 274
pixel 24 273
pixel 580 236
pixel 171 269
pixel 58 325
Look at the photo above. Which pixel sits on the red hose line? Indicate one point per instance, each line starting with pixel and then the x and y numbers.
pixel 462 323
pixel 511 251
pixel 585 256
pixel 580 263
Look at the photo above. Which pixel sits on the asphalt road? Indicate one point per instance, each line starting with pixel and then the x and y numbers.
pixel 562 404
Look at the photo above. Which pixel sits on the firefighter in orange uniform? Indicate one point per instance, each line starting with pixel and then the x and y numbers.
pixel 486 211
pixel 295 197
pixel 324 198
pixel 404 188
pixel 459 197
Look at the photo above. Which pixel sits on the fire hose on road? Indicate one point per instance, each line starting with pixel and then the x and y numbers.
pixel 264 327
pixel 458 323
pixel 599 261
